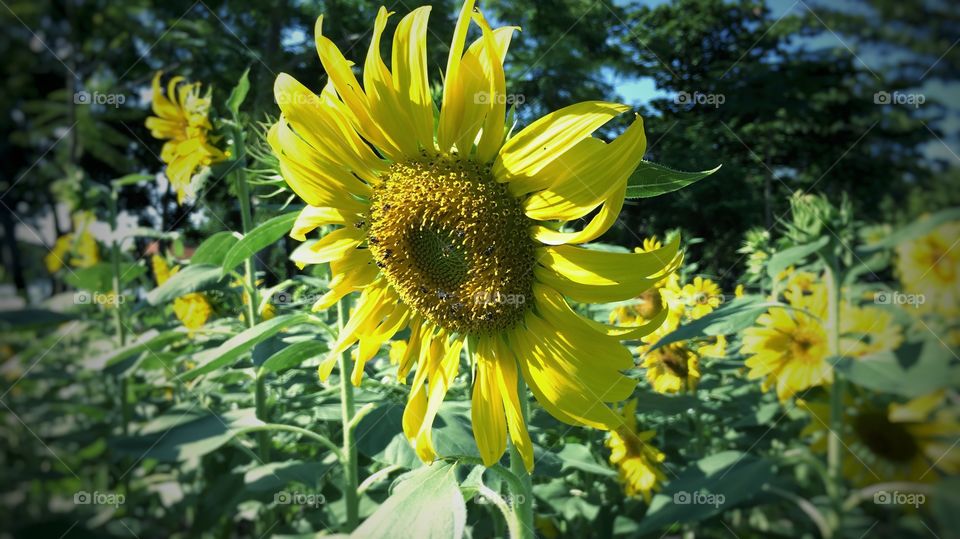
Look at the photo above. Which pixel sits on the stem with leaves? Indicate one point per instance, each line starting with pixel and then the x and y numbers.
pixel 834 280
pixel 522 499
pixel 347 411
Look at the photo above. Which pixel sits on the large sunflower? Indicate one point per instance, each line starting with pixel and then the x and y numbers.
pixel 930 266
pixel 449 228
pixel 182 119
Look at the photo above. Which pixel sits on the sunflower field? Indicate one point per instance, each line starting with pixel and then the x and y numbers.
pixel 565 268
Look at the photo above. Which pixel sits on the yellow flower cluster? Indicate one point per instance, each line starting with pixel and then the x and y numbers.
pixel 638 463
pixel 78 248
pixel 193 310
pixel 675 367
pixel 182 119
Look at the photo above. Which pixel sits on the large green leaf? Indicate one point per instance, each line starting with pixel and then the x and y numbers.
pixel 425 503
pixel 726 320
pixel 579 457
pixel 25 319
pixel 262 236
pixel 707 487
pixel 915 369
pixel 127 358
pixel 293 355
pixel 192 278
pixel 233 348
pixel 276 475
pixel 214 248
pixel 788 257
pixel 380 434
pixel 651 179
pixel 185 434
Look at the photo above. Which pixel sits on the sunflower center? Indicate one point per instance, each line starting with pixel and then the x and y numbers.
pixel 885 438
pixel 454 244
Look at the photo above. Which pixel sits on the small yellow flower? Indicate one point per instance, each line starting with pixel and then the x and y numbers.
pixel 193 310
pixel 639 464
pixel 672 368
pixel 702 296
pixel 182 120
pixel 930 266
pixel 79 248
pixel 738 291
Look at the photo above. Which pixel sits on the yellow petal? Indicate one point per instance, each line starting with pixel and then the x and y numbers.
pixel 487 409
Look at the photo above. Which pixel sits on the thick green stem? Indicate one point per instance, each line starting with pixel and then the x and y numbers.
pixel 522 497
pixel 837 389
pixel 349 450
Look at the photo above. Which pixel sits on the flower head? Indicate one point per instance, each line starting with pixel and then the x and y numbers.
pixel 930 265
pixel 78 248
pixel 447 228
pixel 193 309
pixel 672 368
pixel 639 464
pixel 182 119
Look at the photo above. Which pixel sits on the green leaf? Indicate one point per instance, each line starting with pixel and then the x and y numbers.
pixel 131 179
pixel 25 319
pixel 425 503
pixel 127 358
pixel 726 320
pixel 262 236
pixel 915 229
pixel 707 487
pixel 788 257
pixel 915 369
pixel 192 278
pixel 579 457
pixel 380 434
pixel 181 435
pixel 651 179
pixel 232 349
pixel 277 475
pixel 214 248
pixel 238 94
pixel 293 355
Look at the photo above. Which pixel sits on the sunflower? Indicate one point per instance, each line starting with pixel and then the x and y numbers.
pixel 789 346
pixel 193 310
pixel 930 266
pixel 639 464
pixel 664 295
pixel 448 228
pixel 701 296
pixel 79 247
pixel 914 441
pixel 182 119
pixel 672 368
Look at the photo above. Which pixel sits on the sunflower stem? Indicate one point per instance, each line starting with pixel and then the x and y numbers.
pixel 836 389
pixel 349 451
pixel 522 498
pixel 246 225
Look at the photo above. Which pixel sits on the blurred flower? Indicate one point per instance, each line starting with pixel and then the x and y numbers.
pixel 449 230
pixel 193 309
pixel 930 266
pixel 788 349
pixel 799 283
pixel 867 330
pixel 702 296
pixel 182 120
pixel 672 368
pixel 914 441
pixel 639 464
pixel 79 247
pixel 738 291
